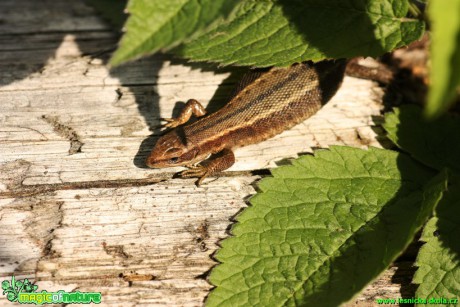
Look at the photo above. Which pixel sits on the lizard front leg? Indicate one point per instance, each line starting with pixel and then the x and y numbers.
pixel 220 162
pixel 191 107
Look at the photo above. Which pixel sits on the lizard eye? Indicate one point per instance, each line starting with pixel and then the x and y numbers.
pixel 174 160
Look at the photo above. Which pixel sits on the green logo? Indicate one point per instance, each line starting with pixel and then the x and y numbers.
pixel 25 292
pixel 12 290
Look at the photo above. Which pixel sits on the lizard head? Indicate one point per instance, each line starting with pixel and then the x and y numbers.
pixel 170 151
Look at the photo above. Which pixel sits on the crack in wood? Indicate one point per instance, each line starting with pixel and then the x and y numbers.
pixel 66 132
pixel 21 191
pixel 32 190
pixel 137 277
pixel 54 216
pixel 115 250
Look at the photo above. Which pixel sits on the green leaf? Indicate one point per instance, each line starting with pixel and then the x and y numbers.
pixel 156 24
pixel 438 261
pixel 112 10
pixel 270 32
pixel 323 228
pixel 434 143
pixel 445 55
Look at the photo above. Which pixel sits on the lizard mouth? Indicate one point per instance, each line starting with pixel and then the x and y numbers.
pixel 155 163
pixel 152 163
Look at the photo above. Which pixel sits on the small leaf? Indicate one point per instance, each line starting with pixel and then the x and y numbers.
pixel 439 258
pixel 445 55
pixel 434 143
pixel 269 32
pixel 323 228
pixel 5 285
pixel 156 24
pixel 12 296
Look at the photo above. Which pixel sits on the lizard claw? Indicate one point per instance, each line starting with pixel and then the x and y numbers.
pixel 196 171
pixel 171 122
pixel 193 166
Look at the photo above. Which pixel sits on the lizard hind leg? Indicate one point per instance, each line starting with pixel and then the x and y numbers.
pixel 191 107
pixel 222 161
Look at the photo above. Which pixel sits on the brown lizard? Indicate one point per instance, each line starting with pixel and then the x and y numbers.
pixel 266 104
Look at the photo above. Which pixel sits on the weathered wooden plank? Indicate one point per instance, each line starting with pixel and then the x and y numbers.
pixel 77 211
pixel 104 237
pixel 45 16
